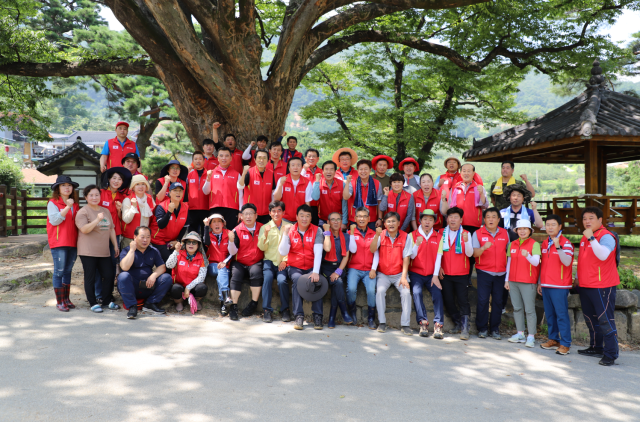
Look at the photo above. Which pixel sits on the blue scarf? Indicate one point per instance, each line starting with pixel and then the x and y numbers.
pixel 372 200
pixel 506 215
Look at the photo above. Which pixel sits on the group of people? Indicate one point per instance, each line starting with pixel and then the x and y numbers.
pixel 270 213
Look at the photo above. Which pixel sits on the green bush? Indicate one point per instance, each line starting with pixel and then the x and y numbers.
pixel 10 172
pixel 628 279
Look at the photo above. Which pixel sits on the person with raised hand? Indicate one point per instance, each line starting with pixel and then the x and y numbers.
pixel 236 161
pixel 198 200
pixel 173 172
pixel 313 173
pixel 258 183
pixel 506 179
pixel 274 265
pixel 189 264
pixel 293 189
pixel 394 248
pixel 260 143
pixel 398 200
pixel 137 208
pixel 426 241
pixel 333 265
pixel 95 231
pixel 346 158
pixel 328 191
pixel 276 164
pixel 381 164
pixel 410 169
pixel 216 240
pixel 363 191
pixel 291 151
pixel 208 148
pixel 171 221
pixel 427 198
pixel 225 196
pixel 62 235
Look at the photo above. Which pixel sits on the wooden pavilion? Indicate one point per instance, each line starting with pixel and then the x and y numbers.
pixel 597 127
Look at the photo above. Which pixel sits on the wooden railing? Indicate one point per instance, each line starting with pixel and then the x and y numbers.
pixel 620 213
pixel 14 211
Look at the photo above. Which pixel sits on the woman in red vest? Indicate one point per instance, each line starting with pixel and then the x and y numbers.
pixel 427 198
pixel 258 183
pixel 523 269
pixel 556 278
pixel 363 191
pixel 171 173
pixel 399 200
pixel 189 264
pixel 294 190
pixel 426 241
pixel 137 208
pixel 329 192
pixel 171 221
pixel 216 239
pixel 62 234
pixel 598 277
pixel 198 201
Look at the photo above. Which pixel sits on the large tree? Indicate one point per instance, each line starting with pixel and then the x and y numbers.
pixel 216 73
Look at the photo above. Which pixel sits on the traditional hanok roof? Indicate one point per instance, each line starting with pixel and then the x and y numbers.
pixel 597 111
pixel 78 149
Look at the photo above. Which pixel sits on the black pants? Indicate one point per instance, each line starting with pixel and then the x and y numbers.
pixel 195 220
pixel 264 219
pixel 314 216
pixel 230 216
pixel 164 250
pixel 107 270
pixel 239 272
pixel 472 260
pixel 456 286
pixel 199 291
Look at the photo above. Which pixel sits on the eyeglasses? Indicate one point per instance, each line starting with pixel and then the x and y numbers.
pixel 335 219
pixel 191 242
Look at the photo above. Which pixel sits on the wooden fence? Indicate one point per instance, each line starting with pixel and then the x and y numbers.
pixel 14 211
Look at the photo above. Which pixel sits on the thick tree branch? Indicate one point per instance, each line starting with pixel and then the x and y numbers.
pixel 87 68
pixel 405 4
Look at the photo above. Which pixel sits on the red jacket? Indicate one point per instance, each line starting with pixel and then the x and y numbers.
pixel 452 262
pixel 373 210
pixel 65 233
pixel 218 252
pixel 472 214
pixel 259 190
pixel 117 151
pixel 108 201
pixel 403 204
pixel 185 272
pixel 166 195
pixel 593 273
pixel 163 236
pixel 390 253
pixel 293 196
pixel 287 154
pixel 552 272
pixel 211 162
pixel 224 189
pixel 425 261
pixel 301 253
pixel 330 198
pixel 236 160
pixel 311 176
pixel 248 252
pixel 197 199
pixel 521 270
pixel 493 259
pixel 331 255
pixel 129 229
pixel 433 203
pixel 363 258
pixel 279 170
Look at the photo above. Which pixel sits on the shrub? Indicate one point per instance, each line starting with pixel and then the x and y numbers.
pixel 628 279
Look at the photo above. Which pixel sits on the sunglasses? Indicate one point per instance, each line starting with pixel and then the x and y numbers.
pixel 191 242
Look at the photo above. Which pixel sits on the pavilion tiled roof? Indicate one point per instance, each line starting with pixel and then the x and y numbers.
pixel 597 111
pixel 77 148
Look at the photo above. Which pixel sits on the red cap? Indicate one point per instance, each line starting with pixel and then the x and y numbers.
pixel 409 160
pixel 386 158
pixel 122 123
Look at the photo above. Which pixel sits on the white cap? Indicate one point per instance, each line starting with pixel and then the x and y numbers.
pixel 217 216
pixel 524 223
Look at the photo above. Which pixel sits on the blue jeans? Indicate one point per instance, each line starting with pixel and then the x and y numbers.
pixel 556 309
pixel 418 283
pixel 294 275
pixel 269 272
pixel 114 260
pixel 64 258
pixel 222 278
pixel 130 289
pixel 353 278
pixel 489 286
pixel 337 287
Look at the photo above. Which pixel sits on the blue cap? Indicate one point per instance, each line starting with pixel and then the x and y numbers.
pixel 176 185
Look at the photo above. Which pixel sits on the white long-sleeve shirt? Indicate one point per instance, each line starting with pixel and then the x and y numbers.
pixel 532 259
pixel 206 189
pixel 353 248
pixel 285 246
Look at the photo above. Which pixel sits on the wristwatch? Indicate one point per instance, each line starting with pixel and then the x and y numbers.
pixel 592 238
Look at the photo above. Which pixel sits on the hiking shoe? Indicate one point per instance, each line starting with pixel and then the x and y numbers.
pixel 482 334
pixel 266 317
pixel 496 335
pixel 606 361
pixel 517 338
pixel 407 331
pixel 153 307
pixel 233 312
pixel 250 309
pixel 286 315
pixel 317 322
pixel 457 329
pixel 550 345
pixel 437 331
pixel 562 350
pixel 113 306
pixel 382 328
pixel 224 310
pixel 591 351
pixel 133 312
pixel 531 341
pixel 298 325
pixel 96 308
pixel 424 329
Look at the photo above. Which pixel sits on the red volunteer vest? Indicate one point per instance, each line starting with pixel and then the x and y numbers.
pixel 433 203
pixel 171 232
pixel 279 170
pixel 117 151
pixel 493 259
pixel 454 179
pixel 197 199
pixel 259 190
pixel 353 173
pixel 311 176
pixel 293 197
pixel 109 202
pixel 166 195
pixel 391 253
pixel 287 154
pixel 552 272
pixel 248 252
pixel 373 211
pixel 425 261
pixel 129 229
pixel 217 253
pixel 185 272
pixel 472 214
pixel 224 189
pixel 593 273
pixel 363 258
pixel 452 262
pixel 236 160
pixel 402 206
pixel 301 252
pixel 211 162
pixel 331 255
pixel 330 198
pixel 65 233
pixel 520 269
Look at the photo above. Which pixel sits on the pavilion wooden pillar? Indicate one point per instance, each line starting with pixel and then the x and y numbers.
pixel 590 167
pixel 602 171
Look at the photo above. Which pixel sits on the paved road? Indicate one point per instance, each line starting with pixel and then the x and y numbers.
pixel 83 366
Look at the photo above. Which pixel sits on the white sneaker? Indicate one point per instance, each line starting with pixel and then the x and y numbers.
pixel 517 338
pixel 531 342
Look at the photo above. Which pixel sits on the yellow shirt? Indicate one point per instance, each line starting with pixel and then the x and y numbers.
pixel 269 244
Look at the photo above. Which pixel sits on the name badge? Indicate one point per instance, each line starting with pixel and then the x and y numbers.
pixel 245 236
pixel 485 239
pixel 105 203
pixel 513 251
pixel 216 176
pixel 324 191
pixel 192 180
pixel 287 189
pixel 182 263
pixel 256 182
